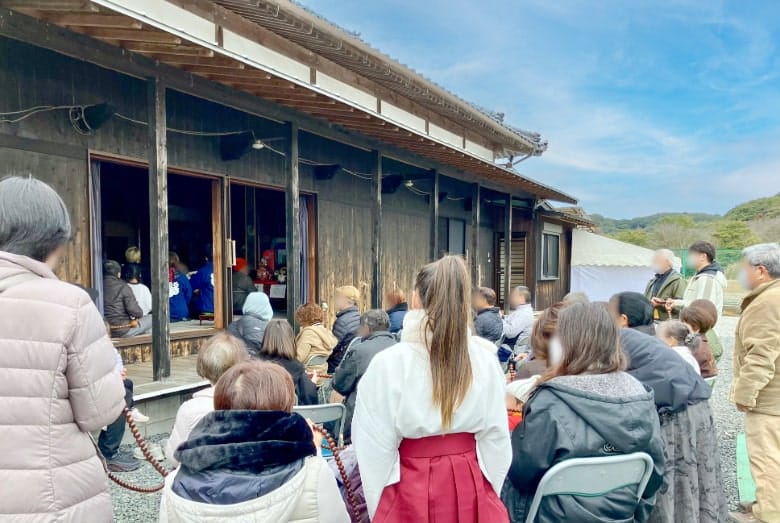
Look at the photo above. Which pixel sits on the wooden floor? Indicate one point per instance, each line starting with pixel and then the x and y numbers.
pixel 183 377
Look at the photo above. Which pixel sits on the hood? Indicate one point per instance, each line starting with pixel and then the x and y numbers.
pixel 379 335
pixel 14 265
pixel 621 421
pixel 401 307
pixel 352 309
pixel 258 305
pixel 246 440
pixel 327 337
pixel 716 271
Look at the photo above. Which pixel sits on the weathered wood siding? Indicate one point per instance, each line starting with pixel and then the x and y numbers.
pixel 549 292
pixel 68 177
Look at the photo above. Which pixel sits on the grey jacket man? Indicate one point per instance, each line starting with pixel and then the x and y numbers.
pixel 354 365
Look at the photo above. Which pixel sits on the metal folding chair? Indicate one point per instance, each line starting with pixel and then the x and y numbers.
pixel 330 412
pixel 593 477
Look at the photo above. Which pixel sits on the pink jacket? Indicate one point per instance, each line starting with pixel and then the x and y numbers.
pixel 57 383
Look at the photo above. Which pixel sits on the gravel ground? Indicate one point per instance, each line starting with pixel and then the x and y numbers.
pixel 730 422
pixel 131 507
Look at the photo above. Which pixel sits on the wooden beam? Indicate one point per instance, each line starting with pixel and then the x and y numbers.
pixel 131 35
pixel 476 210
pixel 81 47
pixel 434 210
pixel 211 61
pixel 376 237
pixel 238 69
pixel 148 48
pixel 158 205
pixel 221 304
pixel 507 251
pixel 226 75
pixel 50 5
pixel 93 20
pixel 294 247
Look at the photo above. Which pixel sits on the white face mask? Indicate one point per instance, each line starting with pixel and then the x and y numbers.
pixel 555 351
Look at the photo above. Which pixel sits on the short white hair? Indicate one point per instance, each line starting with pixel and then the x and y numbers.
pixel 674 262
pixel 765 255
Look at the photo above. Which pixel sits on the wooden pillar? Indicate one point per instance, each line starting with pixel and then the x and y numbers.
pixel 507 251
pixel 293 246
pixel 158 206
pixel 476 209
pixel 434 206
pixel 376 240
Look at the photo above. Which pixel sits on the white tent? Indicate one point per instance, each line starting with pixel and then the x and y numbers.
pixel 601 266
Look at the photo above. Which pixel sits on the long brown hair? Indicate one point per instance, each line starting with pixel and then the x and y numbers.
pixel 444 289
pixel 590 340
pixel 279 340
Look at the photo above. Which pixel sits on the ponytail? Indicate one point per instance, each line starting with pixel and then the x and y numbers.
pixel 444 289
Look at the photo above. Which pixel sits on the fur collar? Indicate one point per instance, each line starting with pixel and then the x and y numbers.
pixel 246 440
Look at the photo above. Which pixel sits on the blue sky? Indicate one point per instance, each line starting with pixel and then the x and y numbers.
pixel 648 106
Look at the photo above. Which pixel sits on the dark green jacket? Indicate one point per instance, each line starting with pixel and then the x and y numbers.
pixel 673 287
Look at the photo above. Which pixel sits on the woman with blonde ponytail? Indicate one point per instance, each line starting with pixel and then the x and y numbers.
pixel 430 428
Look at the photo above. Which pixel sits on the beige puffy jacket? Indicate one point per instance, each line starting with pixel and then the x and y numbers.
pixel 57 383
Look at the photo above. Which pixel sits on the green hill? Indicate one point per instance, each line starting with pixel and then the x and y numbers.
pixel 761 208
pixel 611 226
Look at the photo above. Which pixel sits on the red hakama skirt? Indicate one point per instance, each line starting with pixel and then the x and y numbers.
pixel 441 482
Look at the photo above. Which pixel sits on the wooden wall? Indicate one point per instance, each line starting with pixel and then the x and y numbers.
pixel 68 177
pixel 343 203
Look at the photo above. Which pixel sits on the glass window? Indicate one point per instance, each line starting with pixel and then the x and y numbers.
pixel 551 249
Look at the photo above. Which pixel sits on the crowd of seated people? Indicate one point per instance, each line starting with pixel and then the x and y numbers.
pixel 439 430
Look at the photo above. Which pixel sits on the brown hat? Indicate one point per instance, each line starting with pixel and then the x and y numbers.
pixel 349 292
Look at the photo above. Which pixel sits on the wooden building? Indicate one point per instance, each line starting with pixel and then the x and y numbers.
pixel 239 127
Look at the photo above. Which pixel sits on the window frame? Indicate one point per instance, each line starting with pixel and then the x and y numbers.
pixel 544 256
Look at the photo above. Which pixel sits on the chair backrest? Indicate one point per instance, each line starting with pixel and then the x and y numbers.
pixel 336 412
pixel 593 477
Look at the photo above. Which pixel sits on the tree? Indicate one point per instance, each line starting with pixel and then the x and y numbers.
pixel 767 230
pixel 636 236
pixel 730 234
pixel 675 232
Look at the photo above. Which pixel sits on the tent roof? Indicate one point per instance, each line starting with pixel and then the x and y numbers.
pixel 593 249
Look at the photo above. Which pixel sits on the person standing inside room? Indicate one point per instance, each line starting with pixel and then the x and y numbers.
pixel 430 426
pixel 665 285
pixel 179 289
pixel 487 323
pixel 202 283
pixel 756 386
pixel 708 283
pixel 121 310
pixel 242 285
pixel 396 308
pixel 58 380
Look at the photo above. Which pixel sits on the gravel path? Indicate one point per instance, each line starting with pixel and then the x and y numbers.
pixel 130 507
pixel 730 422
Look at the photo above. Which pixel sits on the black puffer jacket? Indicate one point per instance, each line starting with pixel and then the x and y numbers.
pixel 674 382
pixel 489 325
pixel 119 305
pixel 347 323
pixel 578 417
pixel 305 389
